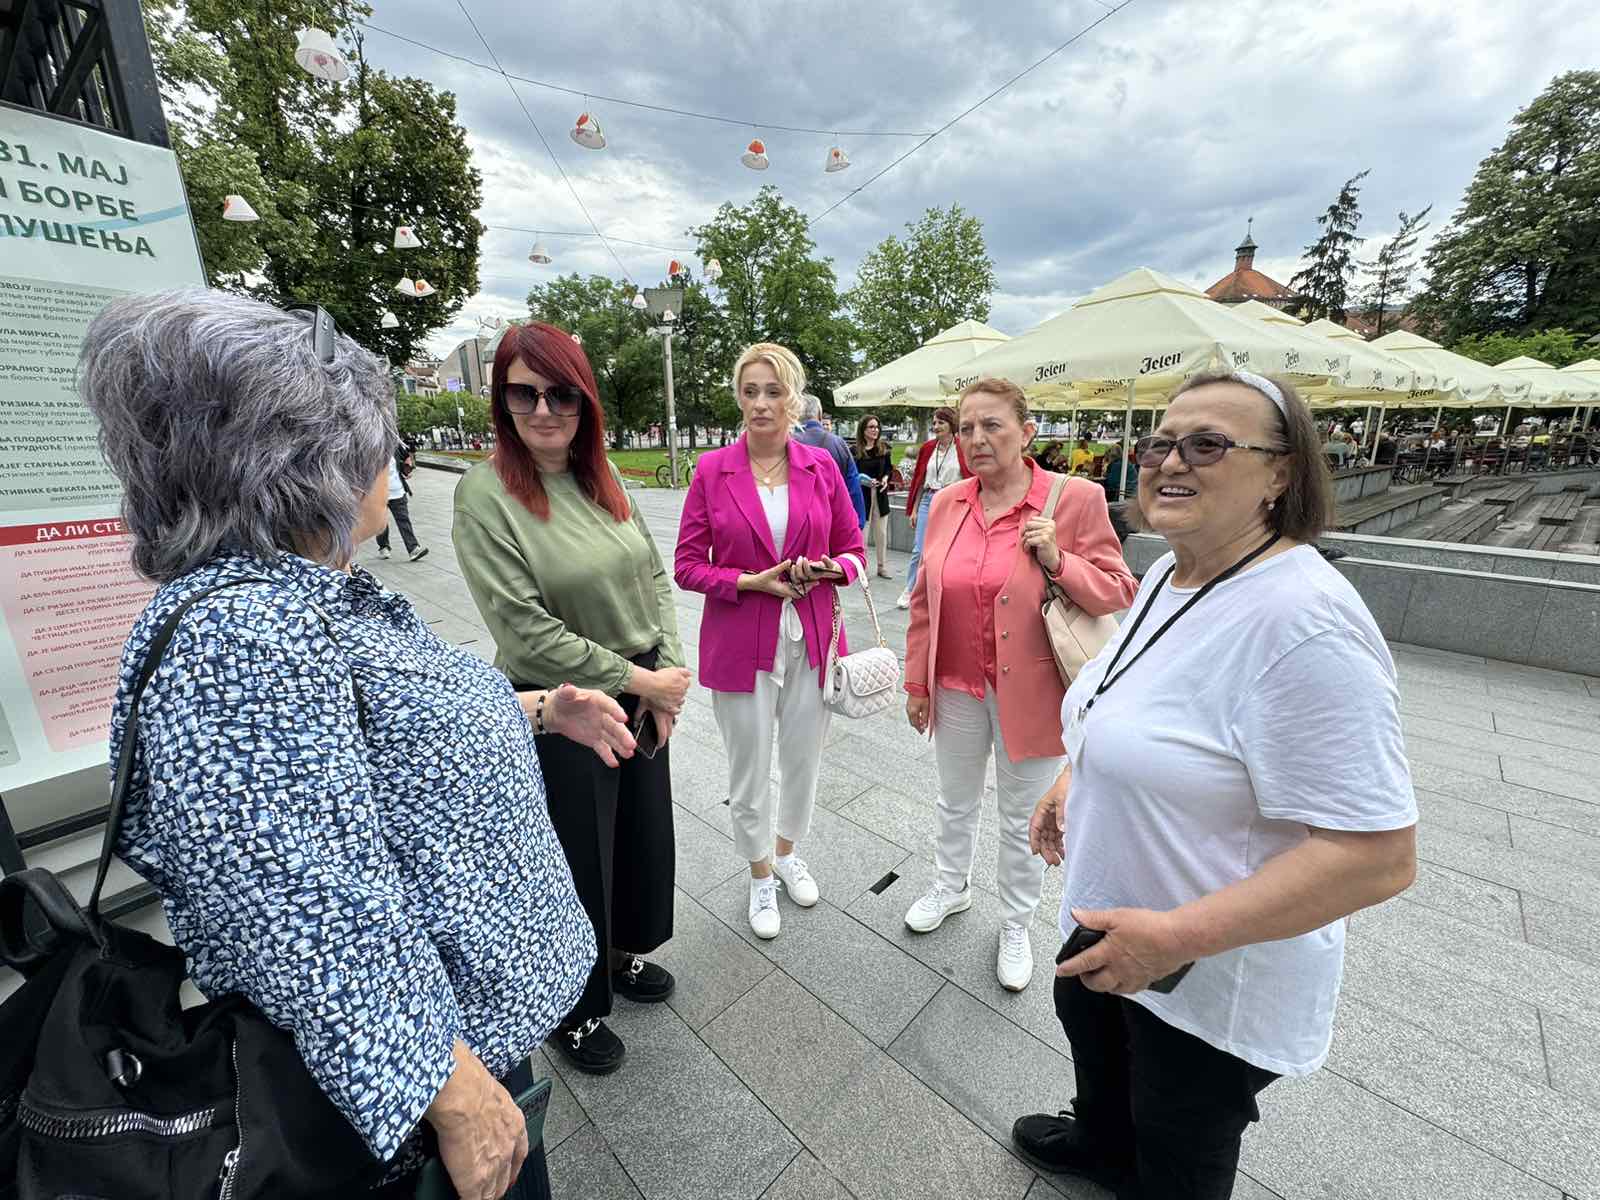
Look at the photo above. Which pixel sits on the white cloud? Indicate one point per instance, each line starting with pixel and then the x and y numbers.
pixel 1150 142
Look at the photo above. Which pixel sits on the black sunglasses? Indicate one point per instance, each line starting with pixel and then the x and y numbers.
pixel 562 399
pixel 323 330
pixel 1195 449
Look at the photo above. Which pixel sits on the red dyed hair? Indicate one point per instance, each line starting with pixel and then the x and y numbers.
pixel 552 353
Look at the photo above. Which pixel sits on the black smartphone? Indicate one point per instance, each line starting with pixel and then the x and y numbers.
pixel 1081 939
pixel 646 738
pixel 433 1183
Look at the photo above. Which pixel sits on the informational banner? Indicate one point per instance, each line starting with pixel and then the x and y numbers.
pixel 84 216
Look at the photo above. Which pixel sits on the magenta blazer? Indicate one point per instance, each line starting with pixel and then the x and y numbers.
pixel 724 534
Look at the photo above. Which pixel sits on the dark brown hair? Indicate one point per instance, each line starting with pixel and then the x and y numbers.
pixel 948 416
pixel 1305 509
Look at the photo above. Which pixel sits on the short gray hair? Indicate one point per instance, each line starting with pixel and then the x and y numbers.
pixel 227 432
pixel 810 407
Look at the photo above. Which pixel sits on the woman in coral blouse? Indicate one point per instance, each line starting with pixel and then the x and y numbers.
pixel 979 670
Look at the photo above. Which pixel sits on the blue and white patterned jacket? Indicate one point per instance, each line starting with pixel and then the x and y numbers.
pixel 377 896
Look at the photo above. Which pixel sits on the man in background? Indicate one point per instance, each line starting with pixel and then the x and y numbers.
pixel 813 434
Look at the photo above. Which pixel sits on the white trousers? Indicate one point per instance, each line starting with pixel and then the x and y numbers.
pixel 965 731
pixel 786 704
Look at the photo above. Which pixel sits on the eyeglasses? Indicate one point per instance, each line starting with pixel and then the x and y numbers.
pixel 1195 449
pixel 323 330
pixel 562 399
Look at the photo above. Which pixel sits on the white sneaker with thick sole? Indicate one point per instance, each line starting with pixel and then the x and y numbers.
pixel 797 880
pixel 937 903
pixel 1014 963
pixel 905 599
pixel 764 919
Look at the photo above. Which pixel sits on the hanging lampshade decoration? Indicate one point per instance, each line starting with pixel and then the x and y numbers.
pixel 838 160
pixel 406 287
pixel 389 321
pixel 668 317
pixel 424 288
pixel 405 238
pixel 318 55
pixel 577 339
pixel 539 254
pixel 675 268
pixel 587 132
pixel 755 155
pixel 713 270
pixel 237 208
pixel 638 301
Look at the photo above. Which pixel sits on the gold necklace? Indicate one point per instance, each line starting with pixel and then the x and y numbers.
pixel 768 473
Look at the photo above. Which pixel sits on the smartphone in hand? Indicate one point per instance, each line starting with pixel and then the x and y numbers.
pixel 646 738
pixel 1081 939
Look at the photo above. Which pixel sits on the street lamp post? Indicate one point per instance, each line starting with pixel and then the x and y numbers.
pixel 665 304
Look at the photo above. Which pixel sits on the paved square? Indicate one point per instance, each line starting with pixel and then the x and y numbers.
pixel 850 1057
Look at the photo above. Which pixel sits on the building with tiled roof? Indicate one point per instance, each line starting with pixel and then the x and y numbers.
pixel 1244 282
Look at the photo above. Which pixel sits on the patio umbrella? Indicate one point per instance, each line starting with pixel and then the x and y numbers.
pixel 1551 387
pixel 1129 343
pixel 913 379
pixel 1371 376
pixel 1476 384
pixel 1139 336
pixel 1589 370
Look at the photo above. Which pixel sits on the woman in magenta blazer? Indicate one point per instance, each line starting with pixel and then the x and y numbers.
pixel 979 668
pixel 767 531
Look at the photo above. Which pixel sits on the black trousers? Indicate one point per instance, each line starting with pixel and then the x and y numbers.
pixel 1172 1106
pixel 615 825
pixel 401 511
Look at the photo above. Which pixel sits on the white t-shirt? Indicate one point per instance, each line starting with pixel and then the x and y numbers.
pixel 944 468
pixel 775 504
pixel 1269 707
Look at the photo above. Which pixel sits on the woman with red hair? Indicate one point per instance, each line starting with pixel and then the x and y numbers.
pixel 570 584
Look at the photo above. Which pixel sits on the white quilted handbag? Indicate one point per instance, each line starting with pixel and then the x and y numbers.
pixel 866 682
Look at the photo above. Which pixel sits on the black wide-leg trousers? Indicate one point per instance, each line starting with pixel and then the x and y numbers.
pixel 615 826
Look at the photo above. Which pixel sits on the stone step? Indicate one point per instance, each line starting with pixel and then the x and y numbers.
pixel 1387 509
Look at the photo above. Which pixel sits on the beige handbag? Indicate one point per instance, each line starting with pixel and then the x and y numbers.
pixel 868 681
pixel 1075 636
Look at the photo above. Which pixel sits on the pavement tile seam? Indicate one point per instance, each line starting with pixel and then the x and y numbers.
pixel 1448 1133
pixel 887 1052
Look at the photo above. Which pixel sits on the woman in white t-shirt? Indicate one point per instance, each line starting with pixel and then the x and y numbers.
pixel 1209 813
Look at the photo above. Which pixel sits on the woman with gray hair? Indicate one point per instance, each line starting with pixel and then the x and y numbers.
pixel 343 814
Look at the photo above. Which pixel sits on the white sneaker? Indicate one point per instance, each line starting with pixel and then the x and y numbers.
pixel 764 920
pixel 419 552
pixel 937 903
pixel 1014 963
pixel 383 552
pixel 905 599
pixel 797 879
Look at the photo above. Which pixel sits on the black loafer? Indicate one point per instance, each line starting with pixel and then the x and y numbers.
pixel 590 1046
pixel 643 982
pixel 1059 1144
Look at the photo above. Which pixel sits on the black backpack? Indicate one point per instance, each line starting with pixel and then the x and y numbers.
pixel 108 1089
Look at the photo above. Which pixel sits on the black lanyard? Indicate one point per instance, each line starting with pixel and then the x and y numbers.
pixel 1108 679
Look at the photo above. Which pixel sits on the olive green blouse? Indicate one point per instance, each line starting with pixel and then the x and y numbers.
pixel 568 600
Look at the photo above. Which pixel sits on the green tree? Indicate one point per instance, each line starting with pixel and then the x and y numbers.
pixel 1324 282
pixel 330 168
pixel 1390 272
pixel 625 359
pixel 1558 347
pixel 1523 250
pixel 908 291
pixel 775 288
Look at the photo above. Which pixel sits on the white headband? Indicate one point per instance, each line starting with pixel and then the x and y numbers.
pixel 1265 386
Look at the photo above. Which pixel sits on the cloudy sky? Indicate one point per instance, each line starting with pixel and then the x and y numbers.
pixel 1148 142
